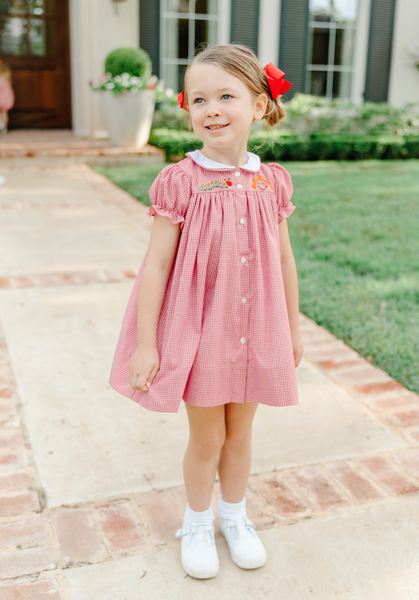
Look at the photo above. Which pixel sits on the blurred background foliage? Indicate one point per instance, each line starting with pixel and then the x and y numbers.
pixel 308 115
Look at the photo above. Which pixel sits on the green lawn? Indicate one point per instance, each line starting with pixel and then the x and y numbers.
pixel 355 237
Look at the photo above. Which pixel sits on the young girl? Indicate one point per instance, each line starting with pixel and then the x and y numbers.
pixel 213 316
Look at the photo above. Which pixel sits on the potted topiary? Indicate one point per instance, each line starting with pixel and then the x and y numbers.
pixel 128 96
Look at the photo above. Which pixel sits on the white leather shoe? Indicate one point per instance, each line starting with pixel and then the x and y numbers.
pixel 199 556
pixel 246 549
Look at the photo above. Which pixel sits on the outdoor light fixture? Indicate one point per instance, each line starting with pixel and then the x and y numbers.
pixel 115 4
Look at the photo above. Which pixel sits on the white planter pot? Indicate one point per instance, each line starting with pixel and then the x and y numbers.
pixel 128 117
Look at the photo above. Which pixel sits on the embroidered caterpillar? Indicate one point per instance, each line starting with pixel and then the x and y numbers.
pixel 221 184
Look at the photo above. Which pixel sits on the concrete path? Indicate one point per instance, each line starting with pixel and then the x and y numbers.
pixel 91 484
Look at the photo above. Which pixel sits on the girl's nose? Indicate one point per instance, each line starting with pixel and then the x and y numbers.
pixel 213 110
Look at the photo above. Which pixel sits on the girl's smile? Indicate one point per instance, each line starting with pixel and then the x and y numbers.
pixel 214 128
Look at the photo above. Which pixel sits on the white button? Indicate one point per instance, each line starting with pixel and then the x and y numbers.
pixel 244 300
pixel 243 259
pixel 239 186
pixel 242 221
pixel 242 340
pixel 237 174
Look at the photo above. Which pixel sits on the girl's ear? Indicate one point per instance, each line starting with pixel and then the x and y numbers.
pixel 260 106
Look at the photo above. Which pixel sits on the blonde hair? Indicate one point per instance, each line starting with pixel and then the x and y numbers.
pixel 240 61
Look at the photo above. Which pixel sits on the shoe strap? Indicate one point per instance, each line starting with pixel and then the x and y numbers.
pixel 187 529
pixel 225 523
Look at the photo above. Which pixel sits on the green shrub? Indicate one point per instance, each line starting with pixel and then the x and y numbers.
pixel 307 114
pixel 279 146
pixel 167 113
pixel 134 61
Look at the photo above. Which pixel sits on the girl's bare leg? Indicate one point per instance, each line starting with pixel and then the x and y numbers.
pixel 207 431
pixel 236 454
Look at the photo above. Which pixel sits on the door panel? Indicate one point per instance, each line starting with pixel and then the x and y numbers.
pixel 34 41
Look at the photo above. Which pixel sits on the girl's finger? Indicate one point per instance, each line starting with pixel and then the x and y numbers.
pixel 135 381
pixel 151 376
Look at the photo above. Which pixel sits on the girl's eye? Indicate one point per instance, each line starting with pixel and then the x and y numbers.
pixel 197 100
pixel 226 95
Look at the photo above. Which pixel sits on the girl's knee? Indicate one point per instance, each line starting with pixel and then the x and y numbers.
pixel 210 444
pixel 238 438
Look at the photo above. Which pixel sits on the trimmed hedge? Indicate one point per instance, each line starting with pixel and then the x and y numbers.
pixel 278 146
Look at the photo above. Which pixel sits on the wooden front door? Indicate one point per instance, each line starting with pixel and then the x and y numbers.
pixel 34 42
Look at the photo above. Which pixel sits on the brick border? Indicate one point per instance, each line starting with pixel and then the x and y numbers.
pixel 66 278
pixel 382 396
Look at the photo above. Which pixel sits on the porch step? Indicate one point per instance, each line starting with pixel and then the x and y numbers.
pixel 63 143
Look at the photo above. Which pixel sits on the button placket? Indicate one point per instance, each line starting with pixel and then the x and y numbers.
pixel 244 274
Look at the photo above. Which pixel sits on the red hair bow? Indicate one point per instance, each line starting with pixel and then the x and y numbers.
pixel 278 86
pixel 181 100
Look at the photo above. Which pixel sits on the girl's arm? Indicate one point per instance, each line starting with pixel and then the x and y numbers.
pixel 162 250
pixel 290 279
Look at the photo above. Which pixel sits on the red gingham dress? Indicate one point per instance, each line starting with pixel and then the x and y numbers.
pixel 223 333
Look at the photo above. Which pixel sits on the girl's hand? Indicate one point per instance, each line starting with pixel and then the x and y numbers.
pixel 297 346
pixel 144 366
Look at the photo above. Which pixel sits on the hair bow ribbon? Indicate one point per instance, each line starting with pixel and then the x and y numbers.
pixel 181 100
pixel 277 84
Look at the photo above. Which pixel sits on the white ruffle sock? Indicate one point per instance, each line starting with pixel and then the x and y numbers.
pixel 231 512
pixel 206 517
pixel 227 510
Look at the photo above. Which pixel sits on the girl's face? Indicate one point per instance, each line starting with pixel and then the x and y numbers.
pixel 216 97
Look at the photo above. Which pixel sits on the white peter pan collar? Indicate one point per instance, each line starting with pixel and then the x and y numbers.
pixel 253 162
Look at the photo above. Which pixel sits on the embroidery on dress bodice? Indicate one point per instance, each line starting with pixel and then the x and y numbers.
pixel 260 183
pixel 225 183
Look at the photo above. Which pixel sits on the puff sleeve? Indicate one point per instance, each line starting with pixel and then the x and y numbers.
pixel 283 191
pixel 169 194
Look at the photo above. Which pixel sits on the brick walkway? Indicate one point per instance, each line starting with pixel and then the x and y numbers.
pixel 38 543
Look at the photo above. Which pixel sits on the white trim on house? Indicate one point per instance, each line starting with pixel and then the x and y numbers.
pixel 330 68
pixel 269 28
pixel 361 51
pixel 404 77
pixel 224 8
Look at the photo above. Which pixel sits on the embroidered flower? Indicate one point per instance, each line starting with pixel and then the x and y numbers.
pixel 225 183
pixel 260 183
